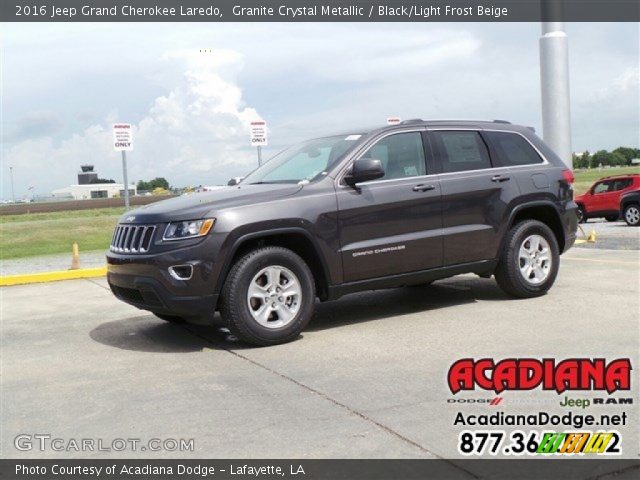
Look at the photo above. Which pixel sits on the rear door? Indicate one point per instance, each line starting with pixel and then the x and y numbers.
pixel 392 225
pixel 475 195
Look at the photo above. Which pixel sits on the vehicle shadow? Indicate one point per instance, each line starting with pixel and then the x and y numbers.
pixel 146 333
pixel 379 304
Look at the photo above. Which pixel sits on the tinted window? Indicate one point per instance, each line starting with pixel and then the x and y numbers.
pixel 511 149
pixel 461 151
pixel 621 184
pixel 401 155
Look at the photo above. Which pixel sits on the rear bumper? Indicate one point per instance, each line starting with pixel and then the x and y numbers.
pixel 144 281
pixel 569 220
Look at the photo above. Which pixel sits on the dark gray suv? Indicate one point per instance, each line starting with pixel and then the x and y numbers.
pixel 379 208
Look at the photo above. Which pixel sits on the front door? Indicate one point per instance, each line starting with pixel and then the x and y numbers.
pixel 392 225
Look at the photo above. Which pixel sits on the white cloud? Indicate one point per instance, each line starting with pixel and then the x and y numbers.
pixel 196 131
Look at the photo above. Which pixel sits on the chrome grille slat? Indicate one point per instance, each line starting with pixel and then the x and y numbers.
pixel 132 238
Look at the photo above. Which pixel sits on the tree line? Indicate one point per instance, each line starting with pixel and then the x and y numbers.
pixel 151 185
pixel 621 156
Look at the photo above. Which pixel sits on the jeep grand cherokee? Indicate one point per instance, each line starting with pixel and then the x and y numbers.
pixel 380 208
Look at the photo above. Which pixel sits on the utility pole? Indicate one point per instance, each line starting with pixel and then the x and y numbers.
pixel 126 181
pixel 554 79
pixel 13 195
pixel 259 148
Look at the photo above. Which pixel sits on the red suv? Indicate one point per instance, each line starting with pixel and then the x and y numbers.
pixel 603 198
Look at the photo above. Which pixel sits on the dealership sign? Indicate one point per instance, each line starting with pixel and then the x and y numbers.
pixel 122 137
pixel 530 373
pixel 258 133
pixel 393 120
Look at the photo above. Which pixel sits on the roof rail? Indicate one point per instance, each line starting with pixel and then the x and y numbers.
pixel 501 121
pixel 411 121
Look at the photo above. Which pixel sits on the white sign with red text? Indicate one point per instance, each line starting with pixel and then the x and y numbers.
pixel 122 137
pixel 258 133
pixel 393 120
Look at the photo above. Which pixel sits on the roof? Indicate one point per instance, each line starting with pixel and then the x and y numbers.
pixel 479 124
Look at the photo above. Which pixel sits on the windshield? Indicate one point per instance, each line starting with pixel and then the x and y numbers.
pixel 303 162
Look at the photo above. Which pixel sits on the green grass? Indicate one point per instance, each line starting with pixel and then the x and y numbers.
pixel 48 233
pixel 586 178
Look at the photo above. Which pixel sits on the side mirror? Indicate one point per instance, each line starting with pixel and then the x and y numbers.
pixel 363 170
pixel 234 181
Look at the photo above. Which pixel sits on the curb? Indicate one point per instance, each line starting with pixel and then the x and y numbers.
pixel 52 276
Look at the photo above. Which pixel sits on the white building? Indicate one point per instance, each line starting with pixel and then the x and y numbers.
pixel 93 190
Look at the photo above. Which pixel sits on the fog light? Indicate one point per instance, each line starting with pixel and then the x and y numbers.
pixel 181 272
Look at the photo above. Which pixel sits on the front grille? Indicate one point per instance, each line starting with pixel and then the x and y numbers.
pixel 132 238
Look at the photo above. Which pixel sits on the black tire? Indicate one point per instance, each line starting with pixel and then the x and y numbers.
pixel 611 218
pixel 235 308
pixel 169 318
pixel 508 274
pixel 582 215
pixel 632 220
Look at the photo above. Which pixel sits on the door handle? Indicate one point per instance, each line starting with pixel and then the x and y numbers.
pixel 500 178
pixel 423 188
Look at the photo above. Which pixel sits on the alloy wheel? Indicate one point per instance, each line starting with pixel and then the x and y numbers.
pixel 274 296
pixel 534 259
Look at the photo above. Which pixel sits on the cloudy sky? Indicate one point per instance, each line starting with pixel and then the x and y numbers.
pixel 190 89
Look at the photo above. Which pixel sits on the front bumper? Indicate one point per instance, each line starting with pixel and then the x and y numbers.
pixel 144 281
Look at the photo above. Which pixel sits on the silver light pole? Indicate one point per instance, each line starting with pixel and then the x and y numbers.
pixel 13 195
pixel 554 77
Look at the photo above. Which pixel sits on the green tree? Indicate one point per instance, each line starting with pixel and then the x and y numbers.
pixel 601 157
pixel 582 160
pixel 159 182
pixel 628 154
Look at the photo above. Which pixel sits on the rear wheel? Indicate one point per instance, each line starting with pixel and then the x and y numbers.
pixel 268 297
pixel 611 218
pixel 169 318
pixel 632 215
pixel 529 262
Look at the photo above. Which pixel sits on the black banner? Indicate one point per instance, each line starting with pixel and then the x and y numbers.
pixel 319 10
pixel 315 469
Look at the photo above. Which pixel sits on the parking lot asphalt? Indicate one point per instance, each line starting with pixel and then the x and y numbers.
pixel 367 378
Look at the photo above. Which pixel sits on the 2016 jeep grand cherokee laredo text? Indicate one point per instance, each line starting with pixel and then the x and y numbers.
pixel 392 206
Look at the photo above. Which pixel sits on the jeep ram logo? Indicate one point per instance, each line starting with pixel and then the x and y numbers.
pixel 530 373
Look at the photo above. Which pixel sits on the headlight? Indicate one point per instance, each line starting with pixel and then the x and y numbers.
pixel 188 229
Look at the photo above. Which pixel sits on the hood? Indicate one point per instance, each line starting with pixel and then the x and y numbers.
pixel 200 205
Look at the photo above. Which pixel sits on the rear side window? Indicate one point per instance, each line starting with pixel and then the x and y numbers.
pixel 461 150
pixel 621 184
pixel 511 149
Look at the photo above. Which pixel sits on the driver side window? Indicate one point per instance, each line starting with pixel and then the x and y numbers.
pixel 401 154
pixel 601 187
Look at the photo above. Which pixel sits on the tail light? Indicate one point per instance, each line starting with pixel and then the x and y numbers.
pixel 568 176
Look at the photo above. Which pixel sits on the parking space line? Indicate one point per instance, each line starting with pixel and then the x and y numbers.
pixel 595 260
pixel 337 403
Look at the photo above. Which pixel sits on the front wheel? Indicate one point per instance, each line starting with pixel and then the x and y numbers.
pixel 529 262
pixel 632 215
pixel 268 297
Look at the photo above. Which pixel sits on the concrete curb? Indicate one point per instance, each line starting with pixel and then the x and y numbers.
pixel 52 276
